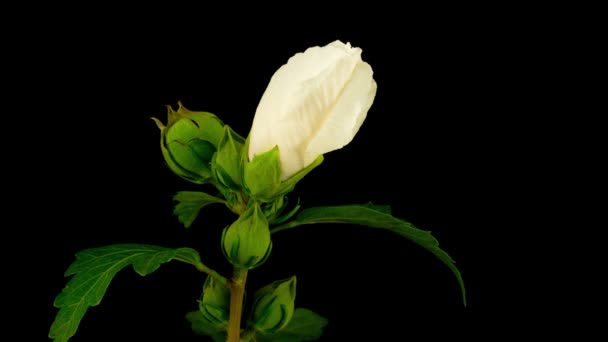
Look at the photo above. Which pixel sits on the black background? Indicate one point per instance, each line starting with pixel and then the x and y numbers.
pixel 441 145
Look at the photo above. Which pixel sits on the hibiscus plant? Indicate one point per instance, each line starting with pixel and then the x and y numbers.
pixel 314 104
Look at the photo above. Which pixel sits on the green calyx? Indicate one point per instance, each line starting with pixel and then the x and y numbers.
pixel 226 162
pixel 262 175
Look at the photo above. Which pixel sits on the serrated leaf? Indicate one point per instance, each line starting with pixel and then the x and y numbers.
pixel 190 204
pixel 305 325
pixel 188 255
pixel 93 270
pixel 375 217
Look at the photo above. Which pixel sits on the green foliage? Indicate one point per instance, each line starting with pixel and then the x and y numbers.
pixel 305 325
pixel 190 204
pixel 201 326
pixel 375 217
pixel 94 269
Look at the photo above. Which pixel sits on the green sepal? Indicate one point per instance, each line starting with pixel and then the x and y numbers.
pixel 186 125
pixel 289 184
pixel 191 158
pixel 179 170
pixel 226 163
pixel 262 175
pixel 277 208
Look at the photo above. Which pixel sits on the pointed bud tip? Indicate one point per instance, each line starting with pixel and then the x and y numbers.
pixel 158 123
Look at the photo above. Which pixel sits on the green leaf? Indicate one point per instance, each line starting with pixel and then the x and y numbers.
pixel 188 255
pixel 305 325
pixel 376 217
pixel 190 204
pixel 385 209
pixel 201 326
pixel 94 269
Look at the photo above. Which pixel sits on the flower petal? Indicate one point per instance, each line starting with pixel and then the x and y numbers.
pixel 304 96
pixel 347 115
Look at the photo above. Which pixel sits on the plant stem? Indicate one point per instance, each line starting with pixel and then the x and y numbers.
pixel 237 291
pixel 222 280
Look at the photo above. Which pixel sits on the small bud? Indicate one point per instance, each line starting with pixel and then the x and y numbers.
pixel 188 142
pixel 273 306
pixel 246 243
pixel 215 303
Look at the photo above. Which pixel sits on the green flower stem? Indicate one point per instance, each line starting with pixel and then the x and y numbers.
pixel 237 291
pixel 204 268
pixel 284 226
pixel 241 205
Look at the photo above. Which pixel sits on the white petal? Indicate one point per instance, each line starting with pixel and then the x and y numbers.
pixel 298 100
pixel 347 115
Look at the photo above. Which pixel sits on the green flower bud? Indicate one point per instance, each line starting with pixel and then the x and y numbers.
pixel 273 306
pixel 246 243
pixel 188 142
pixel 215 303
